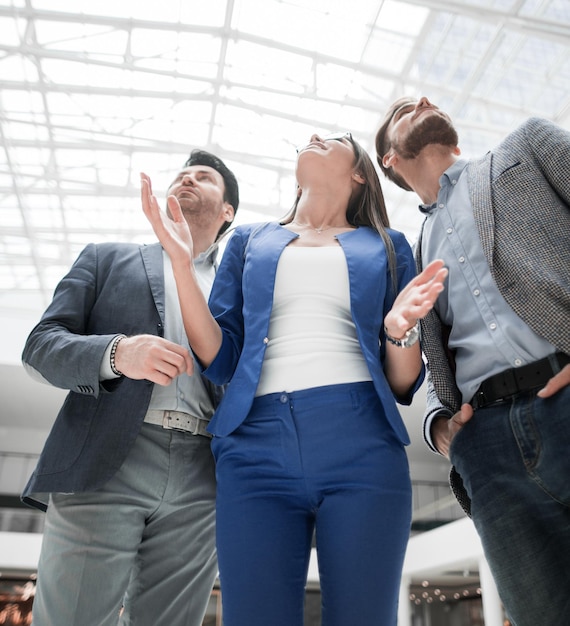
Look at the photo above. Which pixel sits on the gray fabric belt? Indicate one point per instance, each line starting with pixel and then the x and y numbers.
pixel 177 420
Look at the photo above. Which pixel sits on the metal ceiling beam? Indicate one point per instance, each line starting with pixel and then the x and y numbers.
pixel 533 25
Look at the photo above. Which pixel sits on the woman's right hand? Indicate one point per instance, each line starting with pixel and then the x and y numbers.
pixel 173 232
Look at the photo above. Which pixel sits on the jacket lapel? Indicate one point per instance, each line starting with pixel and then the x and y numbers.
pixel 479 181
pixel 152 260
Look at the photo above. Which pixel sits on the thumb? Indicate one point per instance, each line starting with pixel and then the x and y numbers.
pixel 174 208
pixel 466 412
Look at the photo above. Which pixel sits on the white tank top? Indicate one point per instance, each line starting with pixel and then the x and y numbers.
pixel 312 338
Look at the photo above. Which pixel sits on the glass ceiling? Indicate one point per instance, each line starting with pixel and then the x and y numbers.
pixel 92 93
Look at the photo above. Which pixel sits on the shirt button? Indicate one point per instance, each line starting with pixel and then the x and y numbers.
pixel 493 326
pixel 449 231
pixel 265 340
pixel 518 362
pixel 441 206
pixel 476 292
pixel 462 259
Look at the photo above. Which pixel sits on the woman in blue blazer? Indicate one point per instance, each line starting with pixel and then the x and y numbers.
pixel 313 324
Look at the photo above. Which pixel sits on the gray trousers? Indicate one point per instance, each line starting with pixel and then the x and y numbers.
pixel 141 550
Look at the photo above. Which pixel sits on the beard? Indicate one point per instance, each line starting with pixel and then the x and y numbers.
pixel 432 129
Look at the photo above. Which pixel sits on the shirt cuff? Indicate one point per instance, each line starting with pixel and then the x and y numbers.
pixel 428 421
pixel 105 371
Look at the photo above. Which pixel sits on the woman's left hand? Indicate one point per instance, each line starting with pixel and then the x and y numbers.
pixel 416 299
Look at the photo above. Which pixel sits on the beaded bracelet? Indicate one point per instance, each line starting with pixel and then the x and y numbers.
pixel 113 352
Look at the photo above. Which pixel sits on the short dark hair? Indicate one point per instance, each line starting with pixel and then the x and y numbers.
pixel 231 194
pixel 383 145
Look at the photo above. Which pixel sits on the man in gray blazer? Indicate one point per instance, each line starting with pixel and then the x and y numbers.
pixel 126 473
pixel 498 340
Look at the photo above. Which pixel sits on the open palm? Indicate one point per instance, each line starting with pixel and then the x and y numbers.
pixel 173 232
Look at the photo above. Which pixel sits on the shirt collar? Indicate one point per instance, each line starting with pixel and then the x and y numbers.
pixel 209 256
pixel 449 177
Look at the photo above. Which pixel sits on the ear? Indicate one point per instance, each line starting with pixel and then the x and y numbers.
pixel 228 212
pixel 357 176
pixel 390 158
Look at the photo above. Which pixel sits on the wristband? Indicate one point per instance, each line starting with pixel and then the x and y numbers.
pixel 112 355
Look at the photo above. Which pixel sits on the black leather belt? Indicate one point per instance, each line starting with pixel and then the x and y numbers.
pixel 518 380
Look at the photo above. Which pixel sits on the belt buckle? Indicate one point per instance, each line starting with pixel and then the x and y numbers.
pixel 478 400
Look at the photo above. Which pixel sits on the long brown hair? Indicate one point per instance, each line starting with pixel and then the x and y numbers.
pixel 366 206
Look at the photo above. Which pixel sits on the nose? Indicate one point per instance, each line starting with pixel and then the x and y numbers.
pixel 423 103
pixel 188 179
pixel 315 137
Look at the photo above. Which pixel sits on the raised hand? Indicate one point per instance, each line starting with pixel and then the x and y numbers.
pixel 416 299
pixel 172 231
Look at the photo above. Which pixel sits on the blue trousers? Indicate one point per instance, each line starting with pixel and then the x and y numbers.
pixel 514 459
pixel 324 460
pixel 145 540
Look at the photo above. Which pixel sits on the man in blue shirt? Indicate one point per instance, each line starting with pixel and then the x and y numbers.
pixel 498 339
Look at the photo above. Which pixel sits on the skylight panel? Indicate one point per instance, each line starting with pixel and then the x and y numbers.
pixel 303 26
pixel 266 67
pixel 402 17
pixel 12 30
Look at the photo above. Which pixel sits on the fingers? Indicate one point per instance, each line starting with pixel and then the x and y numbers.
pixel 173 360
pixel 440 435
pixel 147 178
pixel 432 269
pixel 153 358
pixel 425 288
pixel 417 298
pixel 428 282
pixel 458 421
pixel 148 201
pixel 463 415
pixel 174 208
pixel 556 383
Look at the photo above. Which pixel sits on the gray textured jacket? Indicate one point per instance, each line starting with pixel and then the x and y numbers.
pixel 520 193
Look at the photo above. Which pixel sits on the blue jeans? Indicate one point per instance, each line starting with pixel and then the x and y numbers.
pixel 148 533
pixel 321 459
pixel 514 458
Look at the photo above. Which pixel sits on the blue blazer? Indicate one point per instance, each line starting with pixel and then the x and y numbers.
pixel 112 288
pixel 242 297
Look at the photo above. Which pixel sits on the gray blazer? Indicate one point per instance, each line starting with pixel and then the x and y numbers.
pixel 112 288
pixel 520 193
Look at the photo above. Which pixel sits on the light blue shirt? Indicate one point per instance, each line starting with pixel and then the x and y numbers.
pixel 186 393
pixel 487 336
